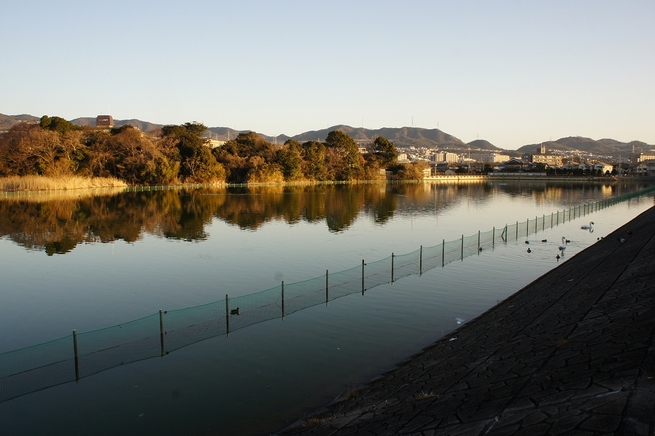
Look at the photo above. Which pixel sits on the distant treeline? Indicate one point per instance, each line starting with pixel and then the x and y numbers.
pixel 179 154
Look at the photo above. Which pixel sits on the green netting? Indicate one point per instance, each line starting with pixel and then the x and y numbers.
pixel 187 326
pixel 452 251
pixel 298 296
pixel 512 232
pixel 346 282
pixel 113 346
pixel 377 273
pixel 486 238
pixel 406 264
pixel 52 363
pixel 470 245
pixel 254 308
pixel 38 367
pixel 432 257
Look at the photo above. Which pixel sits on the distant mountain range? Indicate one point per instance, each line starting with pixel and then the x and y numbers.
pixel 607 147
pixel 402 137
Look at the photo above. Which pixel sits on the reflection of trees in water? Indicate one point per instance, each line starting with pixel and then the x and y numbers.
pixel 58 226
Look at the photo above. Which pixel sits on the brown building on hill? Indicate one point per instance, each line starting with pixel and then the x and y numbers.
pixel 104 121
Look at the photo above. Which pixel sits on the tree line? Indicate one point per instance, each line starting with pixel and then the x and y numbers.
pixel 179 154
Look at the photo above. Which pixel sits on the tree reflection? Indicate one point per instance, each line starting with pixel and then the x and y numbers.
pixel 58 225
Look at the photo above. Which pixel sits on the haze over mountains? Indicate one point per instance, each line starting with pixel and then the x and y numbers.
pixel 402 137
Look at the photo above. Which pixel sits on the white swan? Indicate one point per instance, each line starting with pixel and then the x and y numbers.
pixel 562 246
pixel 589 226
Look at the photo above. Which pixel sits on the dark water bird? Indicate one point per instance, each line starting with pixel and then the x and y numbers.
pixel 544 240
pixel 479 248
pixel 557 257
pixel 527 242
pixel 235 311
pixel 529 251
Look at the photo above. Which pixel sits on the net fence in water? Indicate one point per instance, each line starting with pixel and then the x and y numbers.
pixel 83 354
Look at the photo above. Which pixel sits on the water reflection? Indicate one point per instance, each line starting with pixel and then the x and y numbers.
pixel 58 225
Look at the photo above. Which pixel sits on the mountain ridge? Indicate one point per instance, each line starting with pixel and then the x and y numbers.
pixel 401 136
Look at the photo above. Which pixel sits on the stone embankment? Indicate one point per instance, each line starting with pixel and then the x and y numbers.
pixel 571 353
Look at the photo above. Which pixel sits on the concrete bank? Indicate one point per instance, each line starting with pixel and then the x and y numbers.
pixel 571 353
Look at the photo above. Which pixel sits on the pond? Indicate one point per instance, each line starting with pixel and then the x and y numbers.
pixel 92 261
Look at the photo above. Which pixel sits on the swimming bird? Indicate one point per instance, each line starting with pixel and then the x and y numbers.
pixel 544 240
pixel 529 251
pixel 562 246
pixel 557 257
pixel 527 242
pixel 235 311
pixel 588 226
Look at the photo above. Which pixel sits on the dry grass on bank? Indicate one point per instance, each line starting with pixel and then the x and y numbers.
pixel 39 183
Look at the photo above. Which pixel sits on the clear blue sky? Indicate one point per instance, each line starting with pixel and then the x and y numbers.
pixel 511 72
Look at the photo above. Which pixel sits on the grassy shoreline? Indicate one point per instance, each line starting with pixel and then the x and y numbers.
pixel 72 183
pixel 41 183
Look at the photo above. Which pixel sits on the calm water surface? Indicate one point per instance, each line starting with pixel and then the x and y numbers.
pixel 89 262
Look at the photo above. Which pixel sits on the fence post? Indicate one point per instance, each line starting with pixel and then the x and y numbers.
pixel 517 231
pixel 493 237
pixel 327 298
pixel 479 240
pixel 443 252
pixel 227 315
pixel 536 223
pixel 363 276
pixel 462 250
pixel 161 332
pixel 527 227
pixel 420 261
pixel 77 358
pixel 392 268
pixel 543 223
pixel 282 299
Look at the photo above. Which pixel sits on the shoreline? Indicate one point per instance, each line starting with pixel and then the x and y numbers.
pixel 18 184
pixel 572 351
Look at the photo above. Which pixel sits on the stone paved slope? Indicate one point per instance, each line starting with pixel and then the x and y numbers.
pixel 571 353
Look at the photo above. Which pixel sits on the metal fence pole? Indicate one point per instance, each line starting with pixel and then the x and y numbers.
pixel 227 315
pixel 392 268
pixel 363 276
pixel 161 332
pixel 283 299
pixel 327 296
pixel 77 358
pixel 420 261
pixel 443 252
pixel 479 241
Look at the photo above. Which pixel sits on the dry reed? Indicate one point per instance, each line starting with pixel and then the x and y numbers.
pixel 40 183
